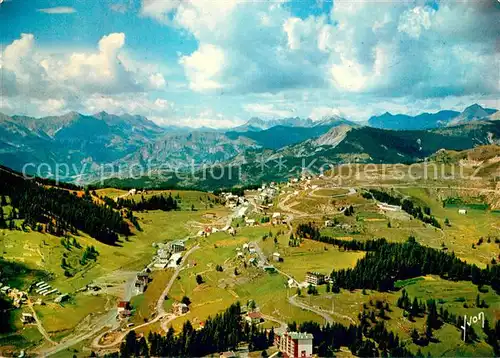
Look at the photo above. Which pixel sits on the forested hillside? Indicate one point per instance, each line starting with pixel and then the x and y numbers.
pixel 56 211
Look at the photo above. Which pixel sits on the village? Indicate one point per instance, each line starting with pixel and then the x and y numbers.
pixel 248 240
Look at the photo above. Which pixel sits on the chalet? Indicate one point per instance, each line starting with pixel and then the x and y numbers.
pixel 462 211
pixel 27 318
pixel 276 257
pixel 250 222
pixel 294 344
pixel 315 278
pixel 329 223
pixel 229 354
pixel 141 283
pixel 180 308
pixel 254 317
pixel 123 306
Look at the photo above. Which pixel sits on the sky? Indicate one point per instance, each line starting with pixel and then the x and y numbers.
pixel 217 63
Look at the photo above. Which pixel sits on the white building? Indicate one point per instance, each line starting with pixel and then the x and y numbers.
pixel 387 207
pixel 462 211
pixel 250 222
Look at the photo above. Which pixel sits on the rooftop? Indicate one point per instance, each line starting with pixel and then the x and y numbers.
pixel 299 335
pixel 123 304
pixel 254 315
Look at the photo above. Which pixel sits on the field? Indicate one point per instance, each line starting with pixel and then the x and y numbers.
pixel 41 255
pixel 229 272
pixel 450 295
pixel 220 289
pixel 145 303
pixel 461 235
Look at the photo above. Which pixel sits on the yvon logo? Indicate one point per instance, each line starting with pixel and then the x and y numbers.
pixel 472 320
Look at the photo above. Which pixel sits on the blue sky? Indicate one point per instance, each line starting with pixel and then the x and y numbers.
pixel 219 62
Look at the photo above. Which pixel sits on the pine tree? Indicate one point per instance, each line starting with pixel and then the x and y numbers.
pixel 3 224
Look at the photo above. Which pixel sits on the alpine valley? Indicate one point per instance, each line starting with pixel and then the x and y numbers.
pixel 78 146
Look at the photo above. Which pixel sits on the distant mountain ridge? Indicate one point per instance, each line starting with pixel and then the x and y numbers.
pixel 283 135
pixel 430 120
pixel 73 138
pixel 124 141
pixel 256 124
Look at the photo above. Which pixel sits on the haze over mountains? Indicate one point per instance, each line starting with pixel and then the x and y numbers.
pixel 90 141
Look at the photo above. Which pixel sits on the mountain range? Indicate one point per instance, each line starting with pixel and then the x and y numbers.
pixel 125 141
pixel 431 120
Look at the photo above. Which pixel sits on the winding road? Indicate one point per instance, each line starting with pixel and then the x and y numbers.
pixel 161 314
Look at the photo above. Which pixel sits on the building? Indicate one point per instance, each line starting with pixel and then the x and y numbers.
pixel 276 218
pixel 141 282
pixel 329 223
pixel 177 246
pixel 315 278
pixel 276 257
pixel 123 306
pixel 140 286
pixel 250 222
pixel 387 207
pixel 254 317
pixel 462 211
pixel 180 308
pixel 132 192
pixel 229 354
pixel 27 318
pixel 294 344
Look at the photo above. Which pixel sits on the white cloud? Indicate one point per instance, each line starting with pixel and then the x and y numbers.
pixel 349 76
pixel 58 10
pixel 157 81
pixel 206 118
pixel 56 82
pixel 159 9
pixel 203 67
pixel 235 54
pixel 268 110
pixel 129 103
pixel 415 21
pixel 384 49
pixel 52 106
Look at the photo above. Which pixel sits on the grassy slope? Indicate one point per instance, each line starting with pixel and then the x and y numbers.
pixel 43 253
